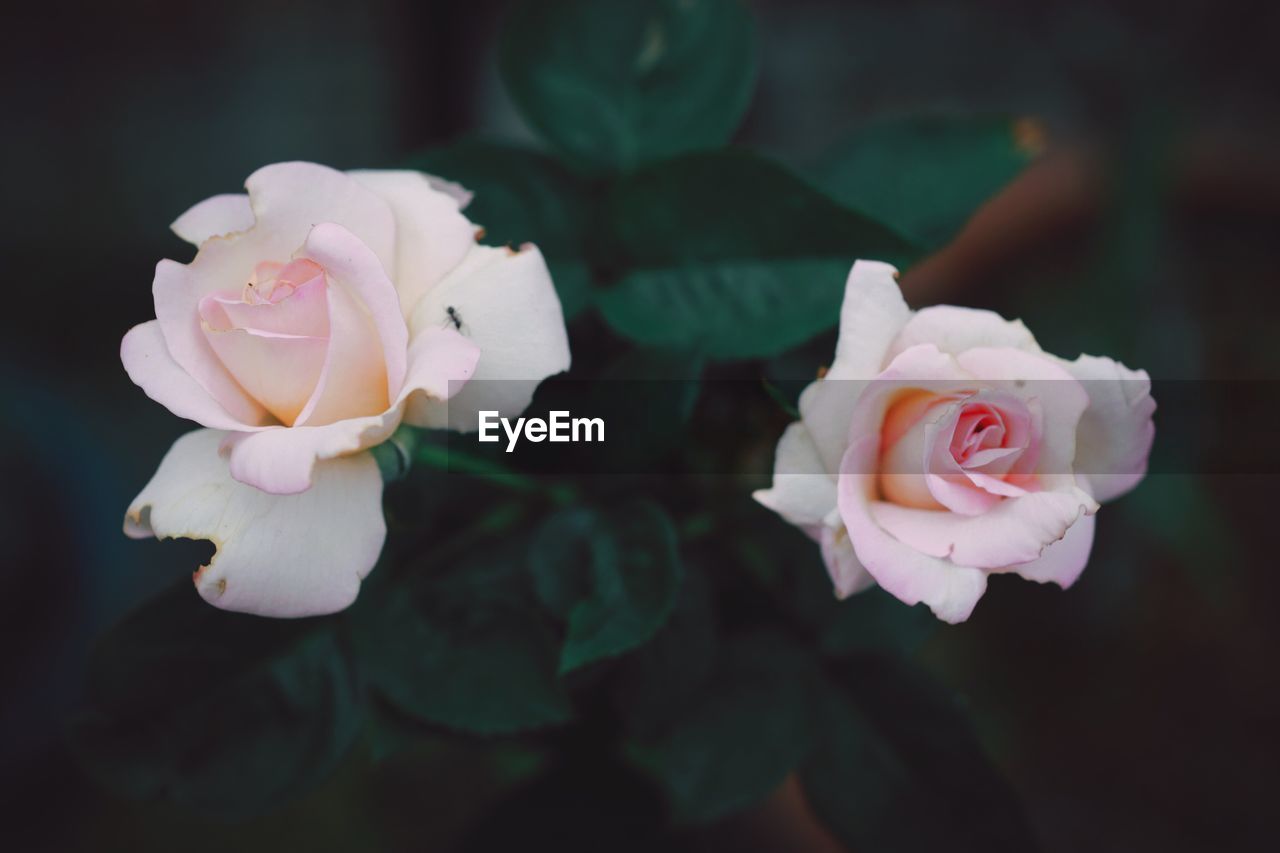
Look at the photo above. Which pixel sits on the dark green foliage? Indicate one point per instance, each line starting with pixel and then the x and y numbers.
pixel 615 85
pixel 599 607
pixel 227 714
pixel 612 576
pixel 734 256
pixel 465 647
pixel 926 175
pixel 750 724
pixel 897 767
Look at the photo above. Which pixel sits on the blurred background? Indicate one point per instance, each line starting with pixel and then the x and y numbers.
pixel 1137 711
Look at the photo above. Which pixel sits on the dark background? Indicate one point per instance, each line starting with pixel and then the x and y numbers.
pixel 1138 711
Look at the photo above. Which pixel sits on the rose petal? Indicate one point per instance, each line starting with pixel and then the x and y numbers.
pixel 214 217
pixel 1064 560
pixel 280 371
pixel 282 556
pixel 149 365
pixel 1116 431
pixel 802 492
pixel 1015 530
pixel 871 315
pixel 1039 378
pixel 280 460
pixel 507 305
pixel 352 382
pixel 177 290
pixel 432 234
pixel 951 591
pixel 847 574
pixel 452 189
pixel 953 330
pixel 352 266
pixel 291 199
pixel 305 311
pixel 952 485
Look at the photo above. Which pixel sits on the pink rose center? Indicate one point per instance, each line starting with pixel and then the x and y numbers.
pixel 962 452
pixel 272 334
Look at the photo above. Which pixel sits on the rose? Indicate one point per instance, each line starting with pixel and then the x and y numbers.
pixel 944 446
pixel 321 310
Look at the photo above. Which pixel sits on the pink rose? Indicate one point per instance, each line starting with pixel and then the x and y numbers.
pixel 944 445
pixel 321 311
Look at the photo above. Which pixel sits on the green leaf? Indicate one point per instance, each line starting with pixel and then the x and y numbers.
pixel 875 621
pixel 220 712
pixel 733 256
pixel 751 725
pixel 522 197
pixel 656 683
pixel 926 175
pixel 898 768
pixel 646 398
pixel 466 648
pixel 614 576
pixel 869 622
pixel 615 85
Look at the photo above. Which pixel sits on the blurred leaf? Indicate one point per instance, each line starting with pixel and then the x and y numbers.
pixel 645 398
pixel 615 85
pixel 522 197
pixel 466 648
pixel 614 576
pixel 897 767
pixel 750 726
pixel 875 621
pixel 871 621
pixel 656 683
pixel 733 256
pixel 926 175
pixel 1180 512
pixel 220 712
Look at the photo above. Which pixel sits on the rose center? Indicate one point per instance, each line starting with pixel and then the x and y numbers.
pixel 272 334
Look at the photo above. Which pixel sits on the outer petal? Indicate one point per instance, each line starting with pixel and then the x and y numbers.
pixel 1064 560
pixel 803 492
pixel 1116 431
pixel 149 365
pixel 281 460
pixel 177 290
pixel 284 556
pixel 871 315
pixel 214 217
pixel 452 189
pixel 847 573
pixel 951 591
pixel 432 234
pixel 507 305
pixel 1017 530
pixel 954 330
pixel 290 199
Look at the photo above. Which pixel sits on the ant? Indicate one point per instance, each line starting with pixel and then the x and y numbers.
pixel 454 317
